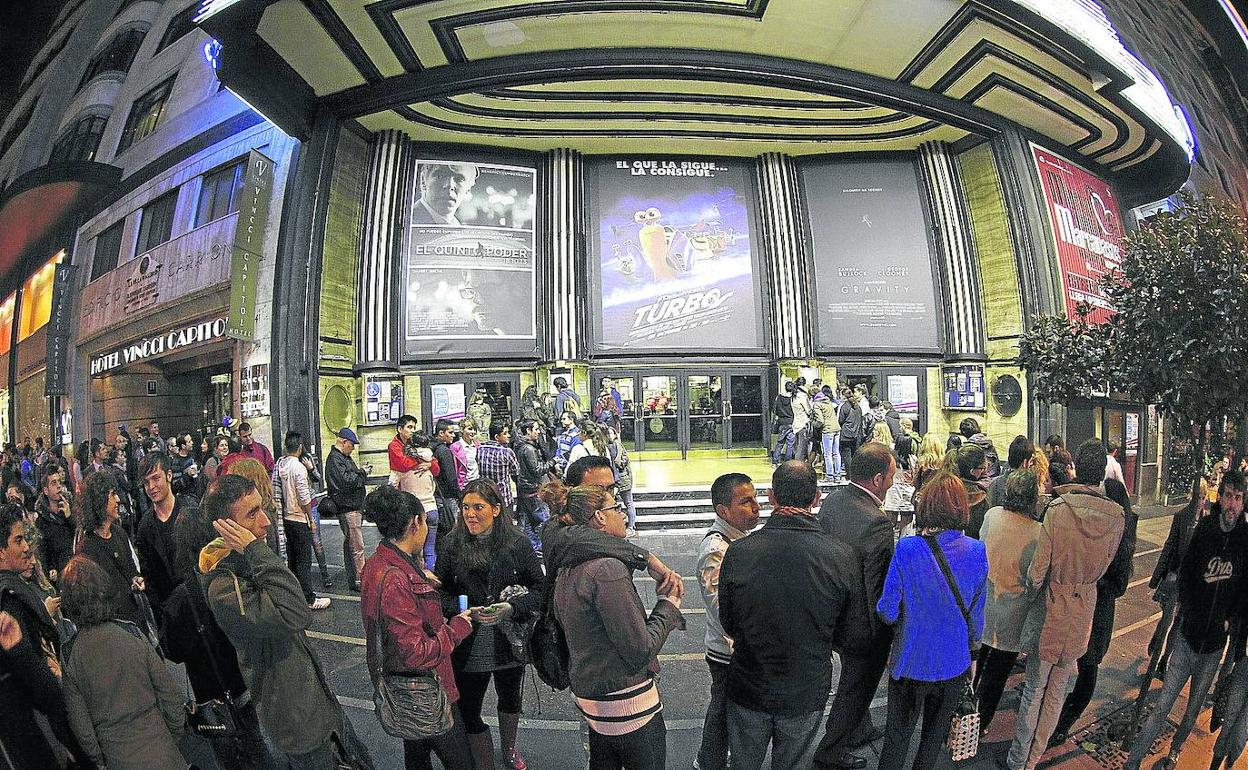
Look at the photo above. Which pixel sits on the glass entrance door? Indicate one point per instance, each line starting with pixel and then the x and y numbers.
pixel 683 411
pixel 485 398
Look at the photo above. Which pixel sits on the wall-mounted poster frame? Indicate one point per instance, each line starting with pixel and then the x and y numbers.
pixel 869 235
pixel 962 387
pixel 383 399
pixel 469 265
pixel 675 250
pixel 1085 224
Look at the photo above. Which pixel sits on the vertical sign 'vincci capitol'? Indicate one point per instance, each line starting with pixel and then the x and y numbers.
pixel 674 253
pixel 1087 231
pixel 468 268
pixel 253 217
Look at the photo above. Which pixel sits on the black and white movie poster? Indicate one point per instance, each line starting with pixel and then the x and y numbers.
pixel 675 257
pixel 873 261
pixel 469 264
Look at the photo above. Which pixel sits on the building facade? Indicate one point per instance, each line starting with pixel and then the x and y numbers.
pixel 436 209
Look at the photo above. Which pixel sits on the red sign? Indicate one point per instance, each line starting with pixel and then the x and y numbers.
pixel 1087 229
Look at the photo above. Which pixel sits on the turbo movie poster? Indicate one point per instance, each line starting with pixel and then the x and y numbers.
pixel 469 267
pixel 676 261
pixel 1087 230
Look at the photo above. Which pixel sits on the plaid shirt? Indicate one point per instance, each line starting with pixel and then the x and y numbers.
pixel 498 463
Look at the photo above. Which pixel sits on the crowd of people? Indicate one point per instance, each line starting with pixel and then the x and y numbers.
pixel 930 564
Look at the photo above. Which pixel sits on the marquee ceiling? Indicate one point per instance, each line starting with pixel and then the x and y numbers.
pixel 699 76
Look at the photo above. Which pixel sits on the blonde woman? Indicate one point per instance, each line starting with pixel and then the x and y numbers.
pixel 881 434
pixel 931 459
pixel 253 471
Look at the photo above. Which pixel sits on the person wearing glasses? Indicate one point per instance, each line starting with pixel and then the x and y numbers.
pixel 612 643
pixel 489 560
pixel 973 470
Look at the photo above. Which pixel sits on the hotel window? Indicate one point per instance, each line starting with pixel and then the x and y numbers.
pixel 220 193
pixel 117 57
pixel 145 114
pixel 179 26
pixel 107 250
pixel 156 222
pixel 81 140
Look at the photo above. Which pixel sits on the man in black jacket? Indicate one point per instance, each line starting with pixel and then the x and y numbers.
pixel 534 467
pixel 154 540
pixel 854 517
pixel 55 523
pixel 782 591
pixel 29 644
pixel 1212 581
pixel 446 483
pixel 849 414
pixel 346 491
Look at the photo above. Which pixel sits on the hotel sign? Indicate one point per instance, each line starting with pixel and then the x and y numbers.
pixel 60 329
pixel 148 348
pixel 253 219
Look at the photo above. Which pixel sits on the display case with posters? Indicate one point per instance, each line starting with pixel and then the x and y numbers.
pixel 675 259
pixel 875 288
pixel 963 387
pixel 468 266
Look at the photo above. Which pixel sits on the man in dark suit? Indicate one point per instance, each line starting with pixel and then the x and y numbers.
pixel 443 188
pixel 854 515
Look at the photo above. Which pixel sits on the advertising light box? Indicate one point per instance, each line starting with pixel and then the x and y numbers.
pixel 674 250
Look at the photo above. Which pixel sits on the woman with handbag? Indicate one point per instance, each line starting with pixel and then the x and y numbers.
pixel 124 705
pixel 409 642
pixel 221 710
pixel 484 556
pixel 934 594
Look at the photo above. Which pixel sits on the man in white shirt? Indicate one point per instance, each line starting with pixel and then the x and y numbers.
pixel 1113 470
pixel 290 486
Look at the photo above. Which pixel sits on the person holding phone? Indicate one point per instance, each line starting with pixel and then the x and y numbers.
pixel 485 557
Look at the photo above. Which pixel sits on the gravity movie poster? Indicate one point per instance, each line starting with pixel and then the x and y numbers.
pixel 676 262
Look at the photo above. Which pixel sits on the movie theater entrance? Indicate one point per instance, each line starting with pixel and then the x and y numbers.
pixel 683 411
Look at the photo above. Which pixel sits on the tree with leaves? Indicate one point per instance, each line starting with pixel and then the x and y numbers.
pixel 1179 336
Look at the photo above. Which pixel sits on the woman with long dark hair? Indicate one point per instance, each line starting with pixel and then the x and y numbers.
pixel 489 560
pixel 105 542
pixel 414 635
pixel 612 643
pixel 931 655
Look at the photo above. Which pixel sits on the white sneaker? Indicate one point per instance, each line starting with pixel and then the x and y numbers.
pixel 319 604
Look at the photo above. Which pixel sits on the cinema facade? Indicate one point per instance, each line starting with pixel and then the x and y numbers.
pixel 696 199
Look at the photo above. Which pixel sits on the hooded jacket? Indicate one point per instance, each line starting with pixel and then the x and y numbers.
pixel 1078 540
pixel 259 605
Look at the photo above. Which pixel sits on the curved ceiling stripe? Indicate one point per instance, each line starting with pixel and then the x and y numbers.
pixel 328 18
pixel 673 96
pixel 382 14
pixel 454 104
pixel 997 81
pixel 1139 156
pixel 659 129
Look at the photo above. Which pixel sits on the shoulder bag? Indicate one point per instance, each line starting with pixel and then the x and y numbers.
pixel 214 717
pixel 964 728
pixel 412 706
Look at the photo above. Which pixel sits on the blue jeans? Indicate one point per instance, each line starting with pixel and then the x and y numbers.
pixel 1234 735
pixel 785 440
pixel 793 739
pixel 832 454
pixel 532 513
pixel 431 539
pixel 1185 663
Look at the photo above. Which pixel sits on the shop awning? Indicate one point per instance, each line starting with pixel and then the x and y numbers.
pixel 41 202
pixel 735 77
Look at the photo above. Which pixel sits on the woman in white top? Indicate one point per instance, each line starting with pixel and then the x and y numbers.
pixel 1011 535
pixel 594 442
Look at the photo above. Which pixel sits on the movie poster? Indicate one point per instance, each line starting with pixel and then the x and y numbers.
pixel 1087 231
pixel 469 260
pixel 874 285
pixel 675 254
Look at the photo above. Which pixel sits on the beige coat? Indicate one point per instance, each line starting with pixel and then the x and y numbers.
pixel 1011 540
pixel 1078 541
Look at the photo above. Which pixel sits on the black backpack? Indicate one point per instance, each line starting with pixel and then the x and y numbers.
pixel 548 647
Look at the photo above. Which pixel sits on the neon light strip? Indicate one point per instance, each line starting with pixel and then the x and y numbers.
pixel 1236 20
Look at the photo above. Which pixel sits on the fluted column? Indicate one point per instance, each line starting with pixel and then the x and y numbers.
pixel 381 241
pixel 564 275
pixel 784 254
pixel 963 314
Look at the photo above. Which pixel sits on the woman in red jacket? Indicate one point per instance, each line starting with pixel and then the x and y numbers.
pixel 416 636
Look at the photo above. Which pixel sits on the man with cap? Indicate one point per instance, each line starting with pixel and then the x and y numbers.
pixel 346 493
